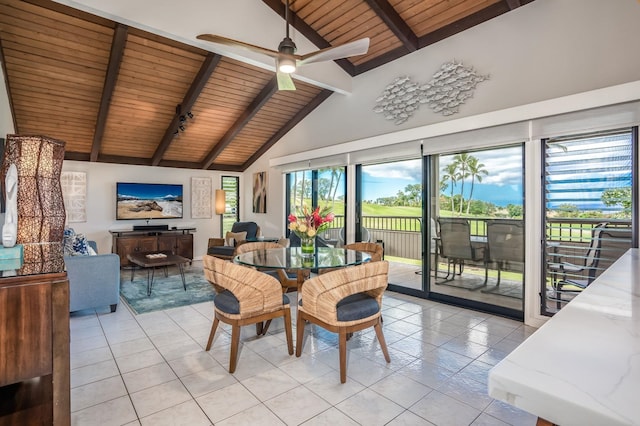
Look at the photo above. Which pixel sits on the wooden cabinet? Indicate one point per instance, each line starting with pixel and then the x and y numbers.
pixel 34 350
pixel 179 242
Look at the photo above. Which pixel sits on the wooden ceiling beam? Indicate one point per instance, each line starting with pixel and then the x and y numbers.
pixel 513 4
pixel 210 63
pixel 263 97
pixel 113 69
pixel 465 23
pixel 306 30
pixel 380 60
pixel 315 102
pixel 396 24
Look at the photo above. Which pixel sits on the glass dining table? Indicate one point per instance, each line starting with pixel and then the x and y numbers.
pixel 283 259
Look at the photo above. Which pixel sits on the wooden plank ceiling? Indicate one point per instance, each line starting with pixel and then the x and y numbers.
pixel 122 95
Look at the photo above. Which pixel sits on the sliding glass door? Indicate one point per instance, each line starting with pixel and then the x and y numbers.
pixel 391 211
pixel 476 221
pixel 319 187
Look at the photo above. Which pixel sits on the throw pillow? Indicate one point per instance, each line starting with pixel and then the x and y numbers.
pixel 80 246
pixel 67 241
pixel 232 238
pixel 76 244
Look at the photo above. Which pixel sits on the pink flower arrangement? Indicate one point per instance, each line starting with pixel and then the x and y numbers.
pixel 310 223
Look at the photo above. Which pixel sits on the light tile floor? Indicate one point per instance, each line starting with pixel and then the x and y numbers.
pixel 152 369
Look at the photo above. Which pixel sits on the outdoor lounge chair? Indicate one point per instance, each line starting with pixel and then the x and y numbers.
pixel 505 246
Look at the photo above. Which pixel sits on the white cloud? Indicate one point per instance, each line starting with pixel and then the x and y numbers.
pixel 410 170
pixel 503 164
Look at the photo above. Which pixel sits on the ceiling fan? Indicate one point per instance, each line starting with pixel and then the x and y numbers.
pixel 286 58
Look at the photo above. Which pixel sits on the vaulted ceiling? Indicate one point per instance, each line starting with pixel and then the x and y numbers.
pixel 118 94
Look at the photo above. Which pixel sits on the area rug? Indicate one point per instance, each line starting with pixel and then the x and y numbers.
pixel 167 292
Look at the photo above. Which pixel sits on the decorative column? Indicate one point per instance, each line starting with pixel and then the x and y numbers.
pixel 41 214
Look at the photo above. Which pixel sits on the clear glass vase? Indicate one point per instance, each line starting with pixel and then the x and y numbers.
pixel 308 246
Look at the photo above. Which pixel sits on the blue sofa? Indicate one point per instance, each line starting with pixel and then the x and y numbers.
pixel 94 281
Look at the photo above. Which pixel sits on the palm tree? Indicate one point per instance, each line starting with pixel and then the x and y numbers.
pixel 476 171
pixel 462 164
pixel 450 173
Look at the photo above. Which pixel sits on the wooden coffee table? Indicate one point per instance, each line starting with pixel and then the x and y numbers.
pixel 150 261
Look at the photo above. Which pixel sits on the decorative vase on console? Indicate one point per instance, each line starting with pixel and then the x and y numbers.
pixel 40 207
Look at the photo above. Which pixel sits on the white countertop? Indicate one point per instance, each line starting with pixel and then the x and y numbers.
pixel 583 366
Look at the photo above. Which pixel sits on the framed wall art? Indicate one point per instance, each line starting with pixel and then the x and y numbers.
pixel 201 198
pixel 260 192
pixel 74 194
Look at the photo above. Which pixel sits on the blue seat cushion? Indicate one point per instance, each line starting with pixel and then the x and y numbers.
pixel 226 302
pixel 357 306
pixel 220 250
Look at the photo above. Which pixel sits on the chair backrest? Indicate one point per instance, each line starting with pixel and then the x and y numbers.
pixel 505 240
pixel 614 242
pixel 365 235
pixel 322 293
pixel 253 246
pixel 455 238
pixel 251 228
pixel 256 291
pixel 593 253
pixel 209 266
pixel 375 250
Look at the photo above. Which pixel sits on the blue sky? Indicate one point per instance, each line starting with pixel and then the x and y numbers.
pixel 502 186
pixel 385 180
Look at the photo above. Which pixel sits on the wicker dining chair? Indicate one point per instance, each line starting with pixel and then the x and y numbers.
pixel 287 279
pixel 375 250
pixel 345 301
pixel 244 296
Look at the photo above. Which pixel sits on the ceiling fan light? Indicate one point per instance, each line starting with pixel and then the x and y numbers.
pixel 286 65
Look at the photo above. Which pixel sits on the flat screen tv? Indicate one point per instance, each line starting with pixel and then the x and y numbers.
pixel 148 201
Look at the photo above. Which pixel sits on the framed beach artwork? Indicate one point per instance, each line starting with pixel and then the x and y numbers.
pixel 260 192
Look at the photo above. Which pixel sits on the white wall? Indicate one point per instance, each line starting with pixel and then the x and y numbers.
pixel 6 121
pixel 101 200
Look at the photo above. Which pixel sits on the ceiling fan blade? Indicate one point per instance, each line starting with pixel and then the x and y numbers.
pixel 235 43
pixel 358 47
pixel 285 82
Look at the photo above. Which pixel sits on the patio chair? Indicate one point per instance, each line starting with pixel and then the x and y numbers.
pixel 580 276
pixel 345 301
pixel 456 246
pixel 505 245
pixel 244 296
pixel 365 236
